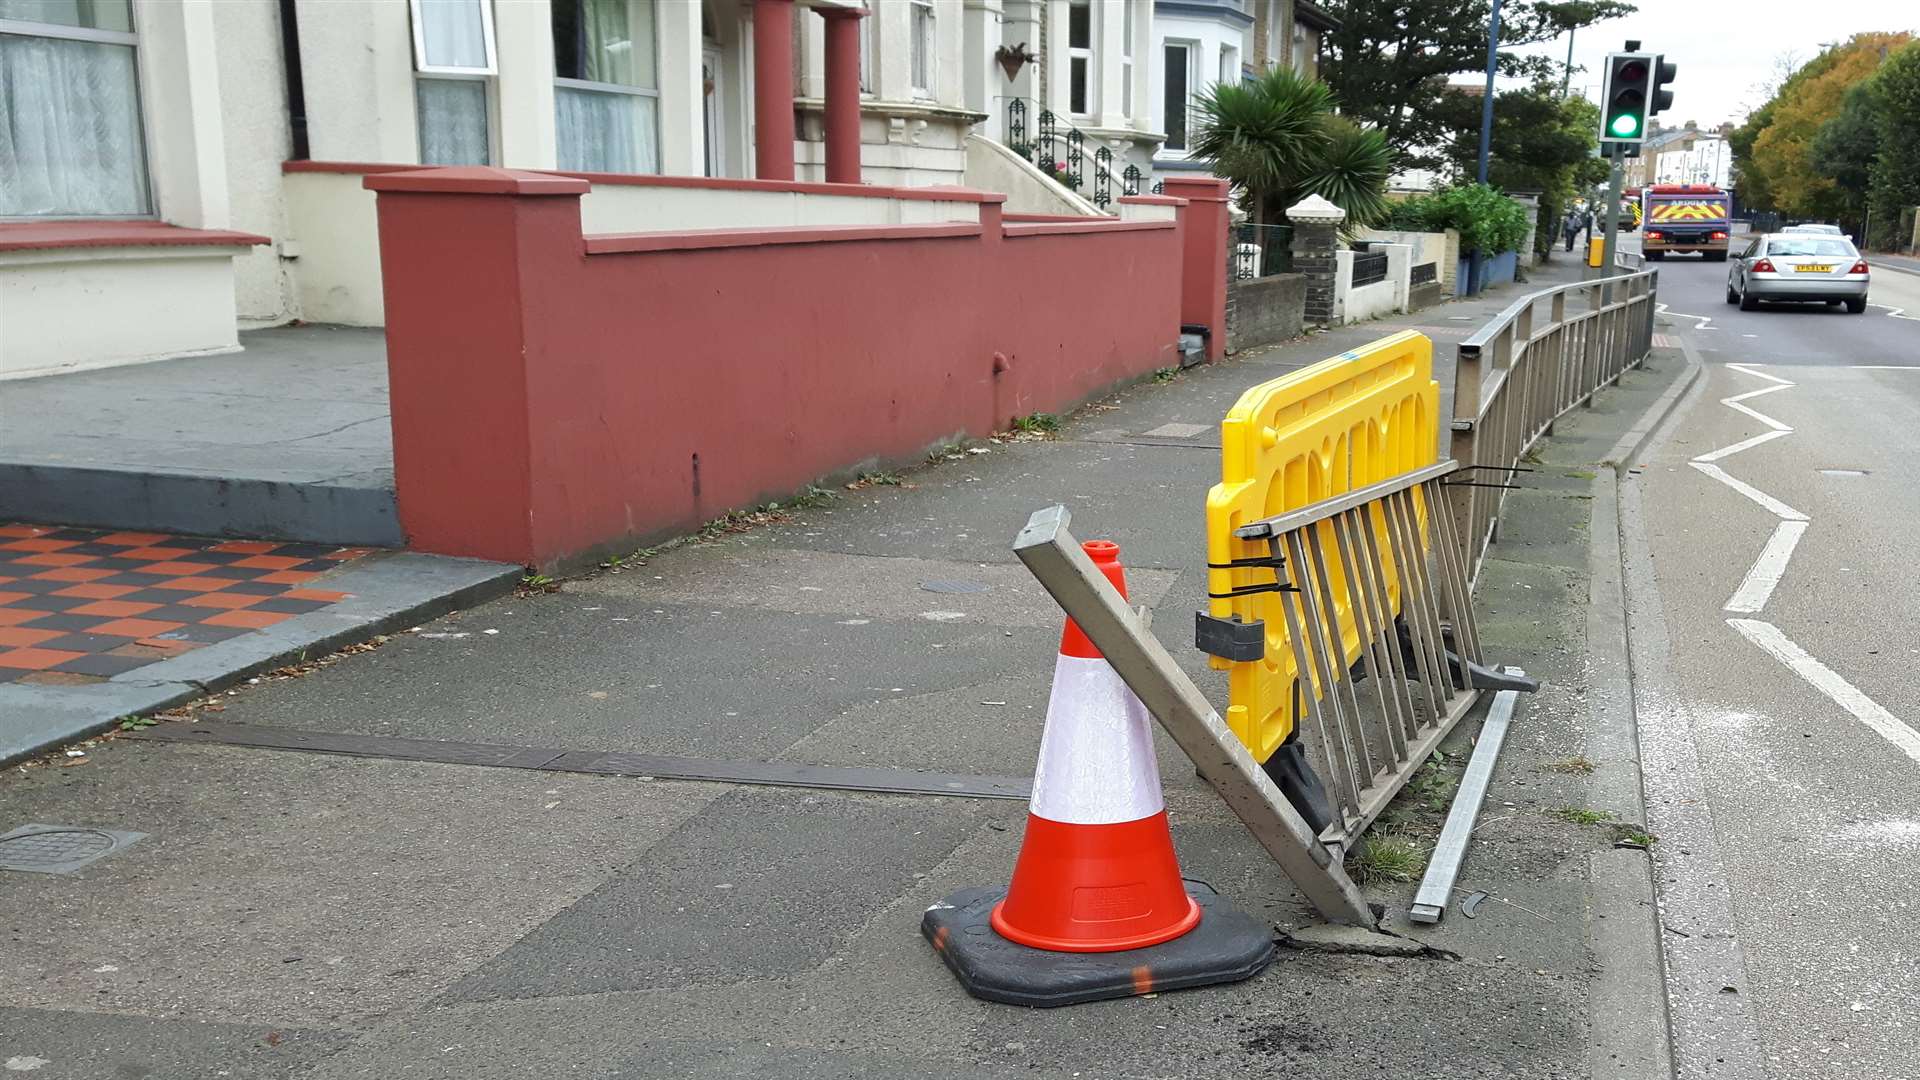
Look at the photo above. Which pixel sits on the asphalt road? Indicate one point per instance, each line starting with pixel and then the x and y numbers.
pixel 1768 539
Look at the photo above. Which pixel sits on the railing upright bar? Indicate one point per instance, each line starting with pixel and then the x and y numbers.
pixel 1357 742
pixel 1326 663
pixel 1367 621
pixel 1304 667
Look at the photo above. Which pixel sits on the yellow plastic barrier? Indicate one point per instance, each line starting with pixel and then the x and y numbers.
pixel 1595 249
pixel 1356 419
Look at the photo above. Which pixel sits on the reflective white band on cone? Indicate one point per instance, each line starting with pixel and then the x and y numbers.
pixel 1097 762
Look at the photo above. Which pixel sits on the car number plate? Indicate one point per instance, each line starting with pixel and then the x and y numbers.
pixel 1815 268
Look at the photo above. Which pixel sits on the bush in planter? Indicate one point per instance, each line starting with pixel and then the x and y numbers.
pixel 1485 219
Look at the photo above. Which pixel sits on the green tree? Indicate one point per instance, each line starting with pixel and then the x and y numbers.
pixel 1844 148
pixel 1279 140
pixel 1895 176
pixel 1774 151
pixel 1541 142
pixel 1390 60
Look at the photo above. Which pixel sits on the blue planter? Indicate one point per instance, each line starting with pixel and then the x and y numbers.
pixel 1498 270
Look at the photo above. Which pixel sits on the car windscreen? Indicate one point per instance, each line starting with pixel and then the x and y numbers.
pixel 1809 245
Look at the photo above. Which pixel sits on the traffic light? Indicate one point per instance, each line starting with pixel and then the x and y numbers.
pixel 1626 96
pixel 1661 98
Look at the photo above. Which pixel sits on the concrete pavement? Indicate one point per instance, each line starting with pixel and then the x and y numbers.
pixel 1772 594
pixel 293 914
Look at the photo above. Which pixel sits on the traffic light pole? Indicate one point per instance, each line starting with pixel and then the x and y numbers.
pixel 1613 209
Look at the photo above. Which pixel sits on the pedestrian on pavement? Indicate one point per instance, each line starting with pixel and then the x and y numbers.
pixel 1571 227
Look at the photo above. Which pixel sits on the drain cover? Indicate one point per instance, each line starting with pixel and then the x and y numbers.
pixel 59 849
pixel 954 586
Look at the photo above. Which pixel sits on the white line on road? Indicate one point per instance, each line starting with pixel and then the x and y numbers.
pixel 1752 369
pixel 1884 367
pixel 1758 393
pixel 1768 569
pixel 1827 681
pixel 1756 414
pixel 1704 319
pixel 1745 444
pixel 1898 312
pixel 1767 502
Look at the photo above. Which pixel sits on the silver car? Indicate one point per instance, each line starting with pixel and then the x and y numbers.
pixel 1798 266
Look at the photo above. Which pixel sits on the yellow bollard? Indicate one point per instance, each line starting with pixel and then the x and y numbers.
pixel 1595 246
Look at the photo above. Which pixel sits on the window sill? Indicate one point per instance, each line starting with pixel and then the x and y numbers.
pixel 68 235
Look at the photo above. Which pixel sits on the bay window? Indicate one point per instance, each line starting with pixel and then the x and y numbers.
pixel 71 141
pixel 607 90
pixel 454 60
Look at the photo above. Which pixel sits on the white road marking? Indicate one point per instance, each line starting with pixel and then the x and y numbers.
pixel 1897 312
pixel 1757 393
pixel 1704 319
pixel 1824 679
pixel 1744 444
pixel 1756 414
pixel 1768 569
pixel 1884 367
pixel 1767 502
pixel 1749 368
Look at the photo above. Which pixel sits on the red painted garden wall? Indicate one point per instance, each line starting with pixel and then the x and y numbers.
pixel 555 394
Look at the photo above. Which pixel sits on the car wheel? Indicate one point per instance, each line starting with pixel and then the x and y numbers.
pixel 1855 307
pixel 1732 297
pixel 1749 303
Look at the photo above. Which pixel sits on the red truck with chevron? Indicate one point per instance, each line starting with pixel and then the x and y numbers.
pixel 1685 217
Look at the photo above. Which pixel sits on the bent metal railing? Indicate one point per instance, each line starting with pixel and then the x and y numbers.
pixel 1547 353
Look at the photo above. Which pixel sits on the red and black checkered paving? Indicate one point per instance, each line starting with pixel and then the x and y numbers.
pixel 84 605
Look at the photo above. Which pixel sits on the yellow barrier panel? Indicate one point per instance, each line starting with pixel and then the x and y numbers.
pixel 1356 419
pixel 1595 248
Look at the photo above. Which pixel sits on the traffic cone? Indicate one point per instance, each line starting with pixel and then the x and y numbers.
pixel 1097 872
pixel 1097 908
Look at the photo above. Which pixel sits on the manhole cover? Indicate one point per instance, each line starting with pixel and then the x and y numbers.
pixel 954 586
pixel 59 849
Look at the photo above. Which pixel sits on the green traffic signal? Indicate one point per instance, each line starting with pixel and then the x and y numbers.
pixel 1626 125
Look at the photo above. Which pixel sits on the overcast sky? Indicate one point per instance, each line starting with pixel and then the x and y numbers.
pixel 1726 49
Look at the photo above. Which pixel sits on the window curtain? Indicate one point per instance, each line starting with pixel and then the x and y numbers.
pixel 606 132
pixel 453 32
pixel 70 140
pixel 453 121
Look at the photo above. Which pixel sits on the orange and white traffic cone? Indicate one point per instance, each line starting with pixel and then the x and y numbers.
pixel 1096 877
pixel 1097 872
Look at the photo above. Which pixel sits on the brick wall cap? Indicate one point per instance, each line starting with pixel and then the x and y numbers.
pixel 1314 210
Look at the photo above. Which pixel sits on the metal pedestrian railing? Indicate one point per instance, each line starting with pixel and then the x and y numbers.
pixel 1547 353
pixel 1409 610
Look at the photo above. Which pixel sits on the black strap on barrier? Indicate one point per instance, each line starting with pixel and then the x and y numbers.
pixel 1274 563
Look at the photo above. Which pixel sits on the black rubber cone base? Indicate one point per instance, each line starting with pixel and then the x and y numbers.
pixel 1227 946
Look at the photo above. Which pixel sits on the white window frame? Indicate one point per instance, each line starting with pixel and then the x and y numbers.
pixel 1086 54
pixel 633 91
pixel 869 86
pixel 1126 58
pixel 923 35
pixel 492 106
pixel 131 39
pixel 1192 49
pixel 420 45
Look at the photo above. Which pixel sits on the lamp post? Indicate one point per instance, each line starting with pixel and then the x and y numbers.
pixel 1474 268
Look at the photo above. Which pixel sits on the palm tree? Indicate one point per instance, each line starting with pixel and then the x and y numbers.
pixel 1279 140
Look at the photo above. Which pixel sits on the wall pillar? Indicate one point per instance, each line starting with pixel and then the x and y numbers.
pixel 1316 243
pixel 773 89
pixel 470 260
pixel 1203 264
pixel 843 94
